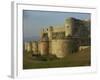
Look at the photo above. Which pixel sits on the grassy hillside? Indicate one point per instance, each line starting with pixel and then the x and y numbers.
pixel 81 58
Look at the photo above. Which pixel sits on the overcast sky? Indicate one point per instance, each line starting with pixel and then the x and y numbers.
pixel 34 21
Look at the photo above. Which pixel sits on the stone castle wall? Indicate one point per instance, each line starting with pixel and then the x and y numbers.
pixel 58 47
pixel 43 47
pixel 61 46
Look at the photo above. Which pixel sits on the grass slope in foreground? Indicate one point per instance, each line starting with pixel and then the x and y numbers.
pixel 81 58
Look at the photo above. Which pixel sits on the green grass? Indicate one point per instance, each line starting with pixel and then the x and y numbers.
pixel 81 58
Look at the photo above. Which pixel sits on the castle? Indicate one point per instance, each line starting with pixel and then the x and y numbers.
pixel 60 41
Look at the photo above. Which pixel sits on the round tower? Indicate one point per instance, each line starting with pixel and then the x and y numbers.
pixel 68 26
pixel 61 47
pixel 34 47
pixel 44 46
pixel 28 46
pixel 50 29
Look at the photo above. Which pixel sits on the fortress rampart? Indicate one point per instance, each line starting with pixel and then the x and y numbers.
pixel 58 41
